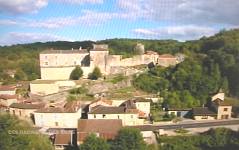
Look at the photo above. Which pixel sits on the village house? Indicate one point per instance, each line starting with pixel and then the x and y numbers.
pixel 62 138
pixel 6 100
pixel 166 60
pixel 61 141
pixel 178 112
pixel 106 129
pixel 46 87
pixel 101 102
pixel 56 117
pixel 7 90
pixel 24 110
pixel 141 104
pixel 128 116
pixel 203 113
pixel 218 109
pixel 148 133
pixel 222 108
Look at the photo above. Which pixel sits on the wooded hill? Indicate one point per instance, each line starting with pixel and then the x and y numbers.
pixel 212 63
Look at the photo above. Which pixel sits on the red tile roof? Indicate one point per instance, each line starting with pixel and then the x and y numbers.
pixel 166 56
pixel 7 88
pixel 106 129
pixel 63 139
pixel 26 106
pixel 6 96
pixel 70 107
pixel 109 102
pixel 151 53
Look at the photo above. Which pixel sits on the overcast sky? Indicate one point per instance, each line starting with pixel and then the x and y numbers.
pixel 26 21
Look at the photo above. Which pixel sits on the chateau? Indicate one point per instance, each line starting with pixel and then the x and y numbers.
pixel 58 64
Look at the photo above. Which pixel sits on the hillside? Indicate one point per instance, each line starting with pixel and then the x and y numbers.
pixel 212 62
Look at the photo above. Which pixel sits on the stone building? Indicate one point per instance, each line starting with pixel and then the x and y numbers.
pixel 58 64
pixel 56 117
pixel 106 129
pixel 128 116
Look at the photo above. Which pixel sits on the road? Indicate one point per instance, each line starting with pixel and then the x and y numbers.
pixel 188 125
pixel 200 125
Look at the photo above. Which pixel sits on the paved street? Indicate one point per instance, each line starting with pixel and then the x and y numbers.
pixel 196 124
pixel 201 124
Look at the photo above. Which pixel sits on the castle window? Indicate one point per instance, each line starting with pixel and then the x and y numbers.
pixel 225 109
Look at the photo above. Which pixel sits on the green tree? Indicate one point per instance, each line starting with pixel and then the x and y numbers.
pixel 129 139
pixel 20 75
pixel 95 74
pixel 92 142
pixel 76 73
pixel 12 139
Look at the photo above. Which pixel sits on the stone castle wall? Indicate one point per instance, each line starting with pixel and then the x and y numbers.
pixel 59 65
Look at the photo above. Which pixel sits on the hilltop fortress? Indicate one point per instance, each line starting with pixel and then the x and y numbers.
pixel 58 64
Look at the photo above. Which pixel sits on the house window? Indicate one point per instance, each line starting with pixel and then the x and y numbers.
pixel 75 62
pixel 45 57
pixel 225 109
pixel 204 117
pixel 46 63
pixel 118 117
pixel 103 116
pixel 173 113
pixel 56 124
pixel 20 113
pixel 94 116
pixel 132 116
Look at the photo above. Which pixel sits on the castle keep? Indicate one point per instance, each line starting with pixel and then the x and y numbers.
pixel 58 64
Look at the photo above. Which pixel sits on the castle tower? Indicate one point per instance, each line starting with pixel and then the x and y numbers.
pixel 139 49
pixel 98 57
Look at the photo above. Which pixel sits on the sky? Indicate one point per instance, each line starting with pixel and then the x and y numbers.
pixel 27 21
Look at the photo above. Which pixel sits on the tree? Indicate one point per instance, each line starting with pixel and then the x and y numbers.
pixel 20 75
pixel 92 142
pixel 129 139
pixel 95 74
pixel 12 135
pixel 76 73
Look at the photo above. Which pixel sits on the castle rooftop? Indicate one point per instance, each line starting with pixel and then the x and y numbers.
pixel 74 51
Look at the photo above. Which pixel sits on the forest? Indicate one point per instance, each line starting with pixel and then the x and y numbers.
pixel 211 64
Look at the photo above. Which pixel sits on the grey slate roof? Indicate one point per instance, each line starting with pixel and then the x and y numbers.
pixel 112 110
pixel 198 111
pixel 26 106
pixel 64 51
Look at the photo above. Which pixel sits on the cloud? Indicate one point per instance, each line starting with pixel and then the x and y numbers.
pixel 88 18
pixel 8 22
pixel 182 33
pixel 202 12
pixel 21 6
pixel 80 1
pixel 20 38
